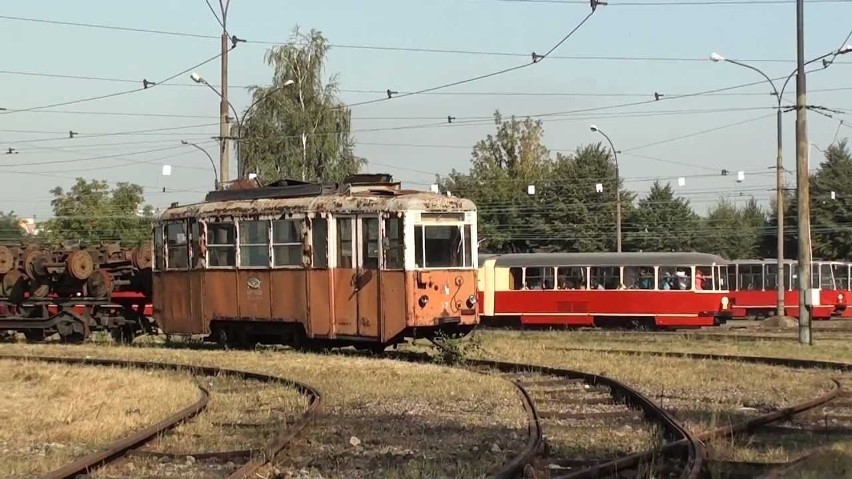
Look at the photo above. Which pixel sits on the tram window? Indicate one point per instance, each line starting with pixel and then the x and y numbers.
pixel 344 243
pixel 176 242
pixel 159 259
pixel 370 243
pixel 826 276
pixel 722 275
pixel 394 246
pixel 605 277
pixel 750 277
pixel 287 242
pixel 678 278
pixel 539 277
pixel 254 243
pixel 319 240
pixel 571 277
pixel 731 278
pixel 441 246
pixel 516 278
pixel 841 275
pixel 704 278
pixel 770 277
pixel 815 276
pixel 195 245
pixel 221 245
pixel 638 277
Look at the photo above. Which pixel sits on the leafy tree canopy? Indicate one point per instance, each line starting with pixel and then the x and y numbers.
pixel 733 232
pixel 300 131
pixel 10 230
pixel 663 222
pixel 92 212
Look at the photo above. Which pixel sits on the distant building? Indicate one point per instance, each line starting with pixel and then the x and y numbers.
pixel 29 226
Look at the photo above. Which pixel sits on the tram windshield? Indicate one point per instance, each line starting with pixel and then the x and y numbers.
pixel 443 246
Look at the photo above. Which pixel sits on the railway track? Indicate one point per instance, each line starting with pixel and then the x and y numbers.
pixel 235 464
pixel 825 418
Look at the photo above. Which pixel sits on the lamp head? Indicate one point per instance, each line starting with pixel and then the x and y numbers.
pixel 844 49
pixel 716 57
pixel 593 128
pixel 196 77
pixel 288 83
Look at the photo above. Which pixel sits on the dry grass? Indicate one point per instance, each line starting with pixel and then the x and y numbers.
pixel 381 418
pixel 53 413
pixel 832 344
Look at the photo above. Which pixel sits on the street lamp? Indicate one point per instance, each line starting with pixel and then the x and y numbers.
pixel 215 173
pixel 199 79
pixel 779 163
pixel 617 192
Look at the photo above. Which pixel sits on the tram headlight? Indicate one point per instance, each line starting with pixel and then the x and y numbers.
pixel 424 300
pixel 725 302
pixel 471 301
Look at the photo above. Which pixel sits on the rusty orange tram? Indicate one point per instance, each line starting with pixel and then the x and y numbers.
pixel 361 263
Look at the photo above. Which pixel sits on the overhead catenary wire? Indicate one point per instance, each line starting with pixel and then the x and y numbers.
pixel 396 48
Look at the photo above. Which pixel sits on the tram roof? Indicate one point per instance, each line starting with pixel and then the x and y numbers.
pixel 609 259
pixel 300 197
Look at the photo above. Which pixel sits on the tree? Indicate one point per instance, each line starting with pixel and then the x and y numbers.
pixel 91 212
pixel 831 216
pixel 301 131
pixel 578 216
pixel 662 222
pixel 732 232
pixel 10 229
pixel 503 165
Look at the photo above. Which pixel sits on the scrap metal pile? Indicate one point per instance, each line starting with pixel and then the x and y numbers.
pixel 92 287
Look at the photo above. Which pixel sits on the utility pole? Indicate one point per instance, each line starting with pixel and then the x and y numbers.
pixel 802 180
pixel 224 163
pixel 779 212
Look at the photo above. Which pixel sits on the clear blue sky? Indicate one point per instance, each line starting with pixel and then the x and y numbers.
pixel 749 32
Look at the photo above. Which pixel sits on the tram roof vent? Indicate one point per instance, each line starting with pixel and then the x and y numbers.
pixel 376 183
pixel 283 188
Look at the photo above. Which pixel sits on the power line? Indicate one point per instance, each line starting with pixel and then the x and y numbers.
pixel 754 3
pixel 107 134
pixel 392 48
pixel 146 85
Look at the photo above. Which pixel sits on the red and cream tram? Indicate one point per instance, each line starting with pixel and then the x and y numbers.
pixel 755 294
pixel 648 290
pixel 361 263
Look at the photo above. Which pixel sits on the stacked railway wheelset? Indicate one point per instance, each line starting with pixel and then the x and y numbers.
pixel 73 291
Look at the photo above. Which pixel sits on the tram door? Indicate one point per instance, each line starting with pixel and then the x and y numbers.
pixel 356 291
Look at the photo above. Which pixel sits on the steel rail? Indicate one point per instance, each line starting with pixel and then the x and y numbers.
pixel 694 450
pixel 123 446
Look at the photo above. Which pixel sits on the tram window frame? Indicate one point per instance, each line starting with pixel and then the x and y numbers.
pixel 610 282
pixel 632 275
pixel 722 278
pixel 177 247
pixel 393 243
pixel 750 271
pixel 288 245
pixel 516 278
pixel 841 276
pixel 827 281
pixel 370 245
pixel 707 273
pixel 159 249
pixel 672 272
pixel 815 276
pixel 196 258
pixel 545 273
pixel 319 242
pixel 253 246
pixel 567 276
pixel 770 276
pixel 458 259
pixel 350 241
pixel 215 248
